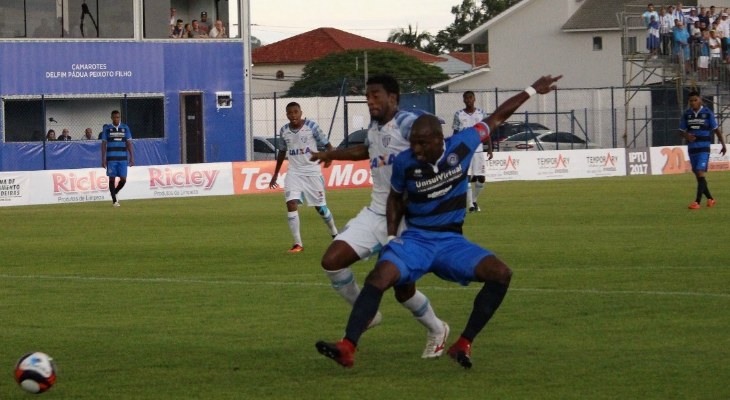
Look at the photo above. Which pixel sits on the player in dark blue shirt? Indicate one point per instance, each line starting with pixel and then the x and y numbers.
pixel 428 187
pixel 116 153
pixel 697 125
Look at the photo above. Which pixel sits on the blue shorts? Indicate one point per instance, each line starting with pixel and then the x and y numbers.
pixel 699 161
pixel 448 255
pixel 116 169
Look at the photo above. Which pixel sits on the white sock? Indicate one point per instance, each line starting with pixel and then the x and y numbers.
pixel 343 282
pixel 294 226
pixel 478 187
pixel 423 312
pixel 468 195
pixel 330 221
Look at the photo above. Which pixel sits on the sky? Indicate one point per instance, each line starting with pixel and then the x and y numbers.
pixel 275 20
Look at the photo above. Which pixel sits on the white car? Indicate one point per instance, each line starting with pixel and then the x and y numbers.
pixel 544 140
pixel 264 148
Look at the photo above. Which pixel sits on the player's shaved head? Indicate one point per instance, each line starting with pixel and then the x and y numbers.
pixel 428 123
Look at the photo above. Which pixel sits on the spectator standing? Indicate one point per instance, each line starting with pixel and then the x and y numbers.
pixel 64 135
pixel 666 24
pixel 218 31
pixel 204 24
pixel 681 44
pixel 652 37
pixel 173 16
pixel 715 48
pixel 650 12
pixel 703 62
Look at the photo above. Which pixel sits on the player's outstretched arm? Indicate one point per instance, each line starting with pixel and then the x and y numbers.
pixel 544 85
pixel 355 153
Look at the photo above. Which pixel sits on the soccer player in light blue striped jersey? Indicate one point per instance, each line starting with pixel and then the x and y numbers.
pixel 428 187
pixel 464 119
pixel 304 181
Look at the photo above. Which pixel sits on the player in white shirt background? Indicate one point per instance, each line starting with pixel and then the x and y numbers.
pixel 463 119
pixel 365 234
pixel 303 181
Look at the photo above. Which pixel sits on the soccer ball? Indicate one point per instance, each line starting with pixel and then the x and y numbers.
pixel 35 372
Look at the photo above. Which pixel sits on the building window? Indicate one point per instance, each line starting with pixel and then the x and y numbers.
pixel 67 19
pixel 279 74
pixel 597 43
pixel 160 17
pixel 29 119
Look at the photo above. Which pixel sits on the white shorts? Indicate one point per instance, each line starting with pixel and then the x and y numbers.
pixel 478 166
pixel 703 62
pixel 301 187
pixel 367 233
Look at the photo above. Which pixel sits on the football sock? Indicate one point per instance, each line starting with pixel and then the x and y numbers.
pixel 120 186
pixel 423 312
pixel 363 312
pixel 343 282
pixel 706 192
pixel 111 190
pixel 485 304
pixel 468 195
pixel 294 226
pixel 701 187
pixel 328 219
pixel 478 187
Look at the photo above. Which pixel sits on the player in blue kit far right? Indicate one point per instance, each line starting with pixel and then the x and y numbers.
pixel 428 187
pixel 697 125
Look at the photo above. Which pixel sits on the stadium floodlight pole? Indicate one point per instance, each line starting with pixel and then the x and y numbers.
pixel 245 25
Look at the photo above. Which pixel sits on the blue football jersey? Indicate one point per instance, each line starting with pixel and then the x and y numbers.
pixel 116 141
pixel 437 193
pixel 701 124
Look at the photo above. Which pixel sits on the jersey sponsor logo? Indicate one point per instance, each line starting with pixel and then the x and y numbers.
pixel 303 139
pixel 442 178
pixel 418 173
pixel 483 131
pixel 297 152
pixel 382 160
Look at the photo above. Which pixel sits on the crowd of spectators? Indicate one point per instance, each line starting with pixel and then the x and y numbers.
pixel 698 39
pixel 198 29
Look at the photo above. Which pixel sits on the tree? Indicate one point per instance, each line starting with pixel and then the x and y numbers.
pixel 410 38
pixel 469 15
pixel 324 77
pixel 255 42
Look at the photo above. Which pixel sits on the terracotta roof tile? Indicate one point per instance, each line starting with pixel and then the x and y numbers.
pixel 481 58
pixel 315 44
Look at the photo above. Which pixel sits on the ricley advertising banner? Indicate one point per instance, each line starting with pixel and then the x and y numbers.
pixel 14 189
pixel 255 177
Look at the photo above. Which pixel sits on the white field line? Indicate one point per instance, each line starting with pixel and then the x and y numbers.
pixel 324 284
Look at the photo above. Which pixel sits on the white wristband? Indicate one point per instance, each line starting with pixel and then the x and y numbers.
pixel 390 237
pixel 531 91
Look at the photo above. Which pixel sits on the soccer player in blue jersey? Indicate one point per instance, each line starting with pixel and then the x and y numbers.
pixel 300 138
pixel 116 153
pixel 428 186
pixel 697 125
pixel 464 119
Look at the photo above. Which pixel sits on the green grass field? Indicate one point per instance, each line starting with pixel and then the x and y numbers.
pixel 618 291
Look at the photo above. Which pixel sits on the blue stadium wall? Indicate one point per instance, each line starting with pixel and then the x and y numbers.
pixel 36 68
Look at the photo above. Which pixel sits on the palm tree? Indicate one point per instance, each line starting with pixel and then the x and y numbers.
pixel 410 38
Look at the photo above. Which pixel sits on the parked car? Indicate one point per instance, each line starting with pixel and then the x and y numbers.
pixel 353 139
pixel 545 140
pixel 509 128
pixel 264 148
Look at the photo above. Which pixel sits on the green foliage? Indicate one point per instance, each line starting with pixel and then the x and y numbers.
pixel 410 38
pixel 619 292
pixel 468 15
pixel 324 77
